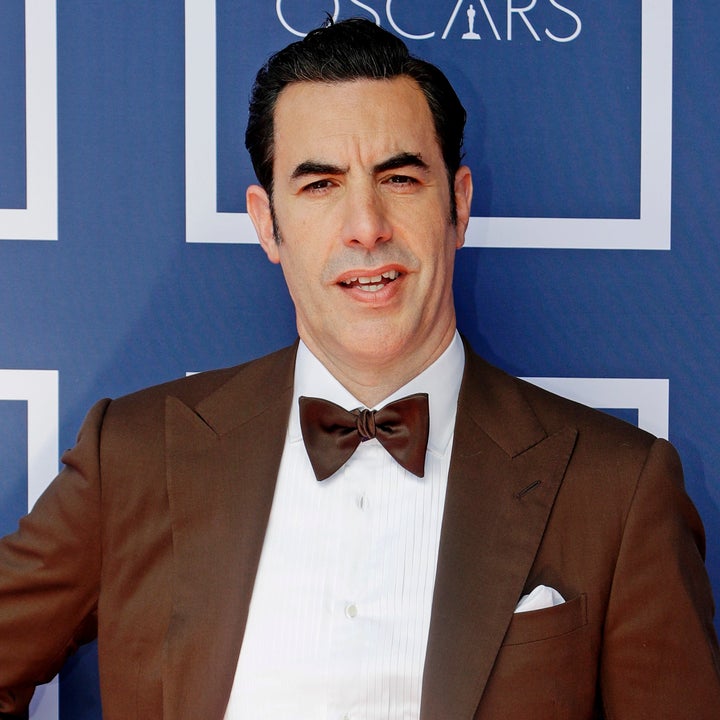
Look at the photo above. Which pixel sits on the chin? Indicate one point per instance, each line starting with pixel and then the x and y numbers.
pixel 376 348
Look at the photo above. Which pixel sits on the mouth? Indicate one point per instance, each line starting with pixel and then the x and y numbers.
pixel 371 283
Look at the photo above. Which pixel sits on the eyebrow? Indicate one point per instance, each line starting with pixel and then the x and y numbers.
pixel 403 159
pixel 310 167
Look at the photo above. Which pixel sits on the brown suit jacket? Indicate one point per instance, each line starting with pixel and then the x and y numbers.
pixel 151 535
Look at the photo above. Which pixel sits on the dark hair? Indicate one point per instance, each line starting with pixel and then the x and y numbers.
pixel 350 50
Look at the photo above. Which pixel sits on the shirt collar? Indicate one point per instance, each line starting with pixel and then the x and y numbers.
pixel 441 381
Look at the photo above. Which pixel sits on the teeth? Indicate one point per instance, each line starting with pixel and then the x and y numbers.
pixel 371 288
pixel 368 280
pixel 371 282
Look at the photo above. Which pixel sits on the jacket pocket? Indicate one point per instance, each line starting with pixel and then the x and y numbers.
pixel 546 668
pixel 534 625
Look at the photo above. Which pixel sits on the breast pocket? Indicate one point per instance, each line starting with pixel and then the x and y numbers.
pixel 546 667
pixel 535 625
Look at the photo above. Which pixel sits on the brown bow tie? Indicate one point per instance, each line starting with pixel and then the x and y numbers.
pixel 332 434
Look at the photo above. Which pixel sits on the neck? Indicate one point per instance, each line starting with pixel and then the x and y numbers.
pixel 373 381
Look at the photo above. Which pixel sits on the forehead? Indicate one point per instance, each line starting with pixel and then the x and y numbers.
pixel 369 118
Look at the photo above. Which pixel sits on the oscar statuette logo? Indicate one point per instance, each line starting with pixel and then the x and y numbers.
pixel 471 34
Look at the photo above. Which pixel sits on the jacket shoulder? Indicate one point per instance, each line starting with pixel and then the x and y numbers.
pixel 261 376
pixel 493 389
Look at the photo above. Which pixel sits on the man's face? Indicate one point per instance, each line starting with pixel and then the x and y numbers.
pixel 362 210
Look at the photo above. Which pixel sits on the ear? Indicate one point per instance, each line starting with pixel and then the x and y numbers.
pixel 463 199
pixel 258 207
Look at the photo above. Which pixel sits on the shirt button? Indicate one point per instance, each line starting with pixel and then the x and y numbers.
pixel 351 611
pixel 361 502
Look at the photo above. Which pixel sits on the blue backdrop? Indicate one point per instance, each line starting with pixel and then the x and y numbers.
pixel 126 258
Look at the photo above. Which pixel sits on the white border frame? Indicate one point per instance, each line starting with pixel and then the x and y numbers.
pixel 650 232
pixel 650 396
pixel 204 224
pixel 39 220
pixel 39 388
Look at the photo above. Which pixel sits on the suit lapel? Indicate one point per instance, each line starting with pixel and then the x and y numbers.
pixel 223 457
pixel 504 475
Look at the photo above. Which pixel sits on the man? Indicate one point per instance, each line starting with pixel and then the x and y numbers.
pixel 538 560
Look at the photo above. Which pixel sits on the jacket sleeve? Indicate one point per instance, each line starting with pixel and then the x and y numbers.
pixel 660 652
pixel 50 575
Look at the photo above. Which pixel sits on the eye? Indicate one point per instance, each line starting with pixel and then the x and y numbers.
pixel 401 183
pixel 318 186
pixel 402 180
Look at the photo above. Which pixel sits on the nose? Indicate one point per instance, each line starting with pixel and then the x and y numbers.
pixel 365 220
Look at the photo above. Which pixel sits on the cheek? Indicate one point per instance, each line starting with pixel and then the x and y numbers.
pixel 307 239
pixel 302 269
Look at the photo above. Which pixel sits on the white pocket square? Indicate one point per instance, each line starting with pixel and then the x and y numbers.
pixel 541 597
